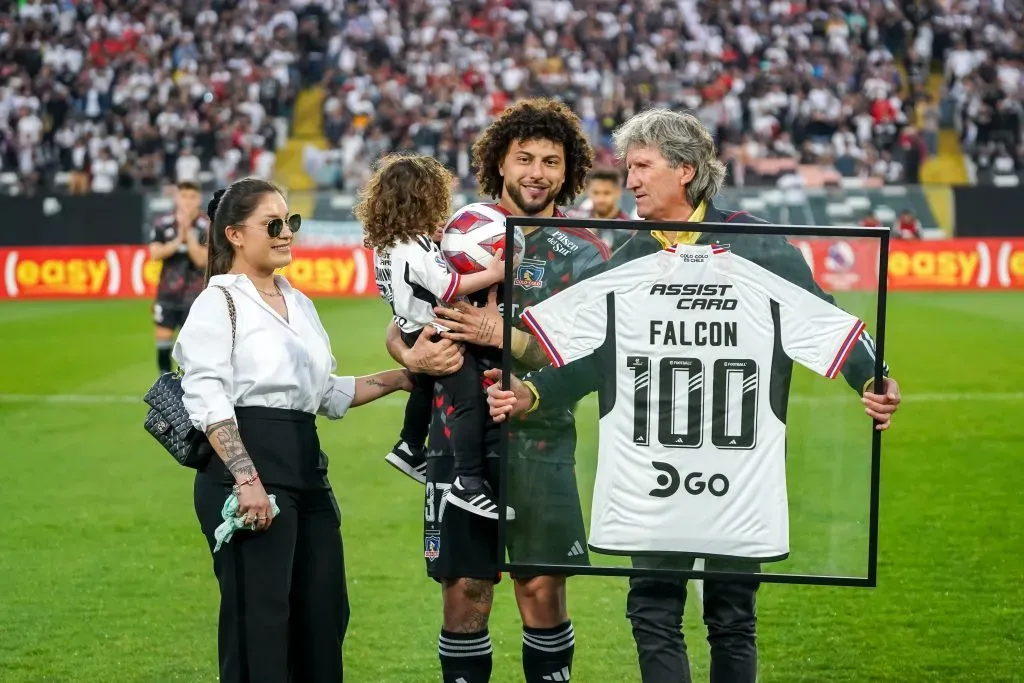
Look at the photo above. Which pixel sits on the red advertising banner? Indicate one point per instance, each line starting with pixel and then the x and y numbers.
pixel 957 264
pixel 127 272
pixel 837 264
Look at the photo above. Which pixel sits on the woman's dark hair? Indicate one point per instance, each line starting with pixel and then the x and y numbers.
pixel 535 119
pixel 231 206
pixel 408 195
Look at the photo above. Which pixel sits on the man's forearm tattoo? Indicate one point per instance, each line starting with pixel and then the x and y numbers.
pixel 231 449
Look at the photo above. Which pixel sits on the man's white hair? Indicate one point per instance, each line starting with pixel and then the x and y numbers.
pixel 682 139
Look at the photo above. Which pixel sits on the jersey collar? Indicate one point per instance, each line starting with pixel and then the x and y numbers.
pixel 684 237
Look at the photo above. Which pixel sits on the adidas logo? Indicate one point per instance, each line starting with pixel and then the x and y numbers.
pixel 575 551
pixel 562 675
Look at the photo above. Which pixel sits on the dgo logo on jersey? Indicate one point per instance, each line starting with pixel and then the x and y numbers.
pixel 694 483
pixel 530 274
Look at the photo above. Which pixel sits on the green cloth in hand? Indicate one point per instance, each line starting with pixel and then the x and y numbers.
pixel 232 522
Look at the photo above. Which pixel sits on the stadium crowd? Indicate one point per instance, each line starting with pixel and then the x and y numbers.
pixel 118 93
pixel 784 85
pixel 99 95
pixel 983 73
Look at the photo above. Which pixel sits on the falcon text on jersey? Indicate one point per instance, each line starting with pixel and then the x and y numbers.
pixel 701 333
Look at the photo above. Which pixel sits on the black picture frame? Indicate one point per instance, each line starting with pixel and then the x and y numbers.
pixel 880 233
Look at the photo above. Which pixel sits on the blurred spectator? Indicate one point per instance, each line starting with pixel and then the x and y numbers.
pixel 130 93
pixel 907 227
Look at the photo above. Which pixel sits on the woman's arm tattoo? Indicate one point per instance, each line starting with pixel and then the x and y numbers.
pixel 226 440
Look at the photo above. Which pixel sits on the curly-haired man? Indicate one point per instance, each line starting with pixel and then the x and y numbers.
pixel 531 159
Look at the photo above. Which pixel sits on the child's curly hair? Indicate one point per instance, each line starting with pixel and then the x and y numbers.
pixel 534 119
pixel 408 195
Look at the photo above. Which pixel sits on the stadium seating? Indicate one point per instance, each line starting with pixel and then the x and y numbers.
pixel 856 88
pixel 101 96
pixel 774 82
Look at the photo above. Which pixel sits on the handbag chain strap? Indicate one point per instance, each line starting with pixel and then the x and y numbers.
pixel 231 313
pixel 180 372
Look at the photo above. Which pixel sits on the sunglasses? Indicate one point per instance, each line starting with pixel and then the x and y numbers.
pixel 276 225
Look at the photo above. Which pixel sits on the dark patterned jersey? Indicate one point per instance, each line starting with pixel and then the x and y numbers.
pixel 180 280
pixel 552 260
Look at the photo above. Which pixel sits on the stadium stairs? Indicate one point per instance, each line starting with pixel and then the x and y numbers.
pixel 945 169
pixel 307 129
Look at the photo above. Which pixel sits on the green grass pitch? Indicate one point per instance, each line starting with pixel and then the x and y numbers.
pixel 104 575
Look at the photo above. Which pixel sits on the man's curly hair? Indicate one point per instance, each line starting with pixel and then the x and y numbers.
pixel 408 195
pixel 534 119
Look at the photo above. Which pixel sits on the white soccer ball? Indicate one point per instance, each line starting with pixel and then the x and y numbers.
pixel 473 234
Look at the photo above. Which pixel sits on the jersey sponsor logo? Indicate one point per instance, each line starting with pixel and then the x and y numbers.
pixel 696 297
pixel 530 274
pixel 432 544
pixel 694 483
pixel 562 244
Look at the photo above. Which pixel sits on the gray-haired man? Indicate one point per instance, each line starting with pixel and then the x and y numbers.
pixel 674 172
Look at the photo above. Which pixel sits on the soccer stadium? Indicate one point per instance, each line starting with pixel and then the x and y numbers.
pixel 847 119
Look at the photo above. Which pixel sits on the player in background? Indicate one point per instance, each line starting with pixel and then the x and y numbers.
pixel 532 158
pixel 179 241
pixel 400 207
pixel 604 192
pixel 674 172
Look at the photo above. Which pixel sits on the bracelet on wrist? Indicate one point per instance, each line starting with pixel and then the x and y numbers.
pixel 248 482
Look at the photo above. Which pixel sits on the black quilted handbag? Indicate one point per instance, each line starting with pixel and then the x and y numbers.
pixel 167 419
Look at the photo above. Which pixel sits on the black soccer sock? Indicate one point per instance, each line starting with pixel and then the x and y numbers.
pixel 547 653
pixel 465 657
pixel 163 355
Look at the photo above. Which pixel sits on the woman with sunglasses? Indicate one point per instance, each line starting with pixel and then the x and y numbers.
pixel 256 393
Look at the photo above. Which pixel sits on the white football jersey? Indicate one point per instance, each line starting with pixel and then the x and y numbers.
pixel 413 277
pixel 692 436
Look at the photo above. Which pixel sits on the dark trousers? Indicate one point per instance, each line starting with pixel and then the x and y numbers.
pixel 418 409
pixel 468 420
pixel 284 605
pixel 655 609
pixel 283 600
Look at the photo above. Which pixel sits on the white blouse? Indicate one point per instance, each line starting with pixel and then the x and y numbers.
pixel 277 363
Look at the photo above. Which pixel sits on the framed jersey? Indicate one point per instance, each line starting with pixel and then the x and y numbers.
pixel 713 384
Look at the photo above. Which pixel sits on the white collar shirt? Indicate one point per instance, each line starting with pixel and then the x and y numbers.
pixel 276 363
